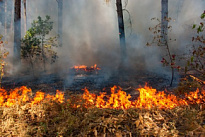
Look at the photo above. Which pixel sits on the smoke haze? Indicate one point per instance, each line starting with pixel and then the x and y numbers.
pixel 90 30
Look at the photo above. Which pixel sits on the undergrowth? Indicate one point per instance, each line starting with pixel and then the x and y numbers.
pixel 54 119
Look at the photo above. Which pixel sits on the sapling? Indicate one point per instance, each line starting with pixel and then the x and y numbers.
pixel 159 40
pixel 37 45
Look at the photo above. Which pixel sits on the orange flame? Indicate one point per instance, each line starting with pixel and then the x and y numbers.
pixel 118 99
pixel 149 98
pixel 21 95
pixel 86 68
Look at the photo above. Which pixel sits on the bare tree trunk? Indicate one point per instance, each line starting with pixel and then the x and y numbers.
pixel 25 16
pixel 17 31
pixel 164 21
pixel 60 22
pixel 164 33
pixel 121 31
pixel 2 12
pixel 12 16
pixel 5 18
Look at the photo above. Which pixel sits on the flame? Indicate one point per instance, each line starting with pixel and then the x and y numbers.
pixel 23 94
pixel 149 98
pixel 86 68
pixel 118 99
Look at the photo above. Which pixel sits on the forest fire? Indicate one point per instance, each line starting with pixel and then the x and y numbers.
pixel 118 99
pixel 23 95
pixel 148 98
pixel 86 68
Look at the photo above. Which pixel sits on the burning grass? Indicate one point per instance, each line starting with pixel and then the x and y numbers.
pixel 115 114
pixel 86 68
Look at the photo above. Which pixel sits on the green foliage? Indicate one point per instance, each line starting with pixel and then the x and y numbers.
pixel 37 45
pixel 196 58
pixel 3 54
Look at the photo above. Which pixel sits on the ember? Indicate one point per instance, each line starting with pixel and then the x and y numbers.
pixel 86 68
pixel 118 99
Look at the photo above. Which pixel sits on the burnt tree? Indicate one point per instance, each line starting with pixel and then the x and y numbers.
pixel 17 31
pixel 121 31
pixel 60 22
pixel 164 21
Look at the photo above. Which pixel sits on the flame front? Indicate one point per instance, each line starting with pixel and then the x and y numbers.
pixel 118 99
pixel 148 98
pixel 23 94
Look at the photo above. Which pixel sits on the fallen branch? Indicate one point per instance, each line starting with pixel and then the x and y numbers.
pixel 197 79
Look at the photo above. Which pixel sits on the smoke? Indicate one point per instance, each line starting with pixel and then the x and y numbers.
pixel 90 31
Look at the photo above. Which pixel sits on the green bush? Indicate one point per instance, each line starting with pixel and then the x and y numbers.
pixel 37 46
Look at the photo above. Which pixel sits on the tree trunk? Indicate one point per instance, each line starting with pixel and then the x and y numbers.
pixel 164 34
pixel 25 16
pixel 5 18
pixel 17 31
pixel 164 21
pixel 2 12
pixel 121 31
pixel 60 22
pixel 12 16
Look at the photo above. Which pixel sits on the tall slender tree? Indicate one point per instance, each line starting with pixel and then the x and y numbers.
pixel 164 21
pixel 17 31
pixel 164 34
pixel 121 31
pixel 2 12
pixel 25 16
pixel 5 17
pixel 60 22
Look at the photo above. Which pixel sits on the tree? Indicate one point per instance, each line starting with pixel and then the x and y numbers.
pixel 60 22
pixel 164 34
pixel 2 11
pixel 17 31
pixel 121 31
pixel 5 17
pixel 161 37
pixel 37 46
pixel 164 21
pixel 196 60
pixel 25 16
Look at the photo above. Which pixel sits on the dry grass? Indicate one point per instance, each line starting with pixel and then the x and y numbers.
pixel 55 119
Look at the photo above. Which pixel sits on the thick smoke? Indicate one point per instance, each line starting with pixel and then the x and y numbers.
pixel 90 30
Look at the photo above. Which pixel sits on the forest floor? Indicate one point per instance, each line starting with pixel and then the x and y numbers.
pixel 51 118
